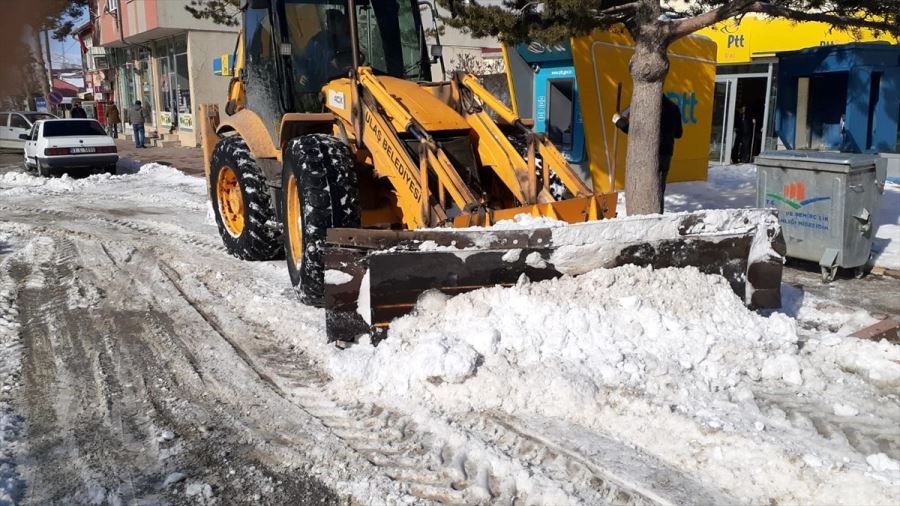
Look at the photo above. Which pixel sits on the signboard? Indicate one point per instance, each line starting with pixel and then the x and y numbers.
pixel 756 36
pixel 224 65
pixel 55 97
pixel 185 121
pixel 40 103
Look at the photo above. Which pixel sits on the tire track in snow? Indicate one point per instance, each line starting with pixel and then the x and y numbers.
pixel 458 466
pixel 471 461
pixel 171 231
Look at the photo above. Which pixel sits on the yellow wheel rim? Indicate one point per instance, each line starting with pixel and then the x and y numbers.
pixel 231 201
pixel 294 232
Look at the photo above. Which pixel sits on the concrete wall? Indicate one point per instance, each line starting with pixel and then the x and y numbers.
pixel 206 87
pixel 171 14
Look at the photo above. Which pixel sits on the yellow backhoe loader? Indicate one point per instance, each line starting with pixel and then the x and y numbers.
pixel 377 184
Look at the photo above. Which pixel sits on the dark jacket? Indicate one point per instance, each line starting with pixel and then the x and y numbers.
pixel 79 112
pixel 669 126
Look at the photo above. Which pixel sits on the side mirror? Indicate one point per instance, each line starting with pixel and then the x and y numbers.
pixel 24 137
pixel 437 51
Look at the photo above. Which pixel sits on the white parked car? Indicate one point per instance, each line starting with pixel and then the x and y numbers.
pixel 13 124
pixel 69 145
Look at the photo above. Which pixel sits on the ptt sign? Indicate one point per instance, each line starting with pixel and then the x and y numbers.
pixel 687 103
pixel 735 41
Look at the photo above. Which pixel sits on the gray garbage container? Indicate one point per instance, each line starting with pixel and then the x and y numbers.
pixel 826 204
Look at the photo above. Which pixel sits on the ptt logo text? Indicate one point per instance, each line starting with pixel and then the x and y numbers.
pixel 687 103
pixel 735 41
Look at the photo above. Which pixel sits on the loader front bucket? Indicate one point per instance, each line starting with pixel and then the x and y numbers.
pixel 374 276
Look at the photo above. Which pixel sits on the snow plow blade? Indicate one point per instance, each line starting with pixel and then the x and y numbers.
pixel 374 276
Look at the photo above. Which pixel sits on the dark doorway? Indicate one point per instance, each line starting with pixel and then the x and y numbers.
pixel 750 108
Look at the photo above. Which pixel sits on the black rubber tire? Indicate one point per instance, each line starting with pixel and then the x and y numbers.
pixel 328 190
pixel 260 238
pixel 557 188
pixel 41 170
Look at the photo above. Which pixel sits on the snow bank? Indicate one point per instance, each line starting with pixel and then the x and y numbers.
pixel 886 245
pixel 734 186
pixel 646 355
pixel 15 183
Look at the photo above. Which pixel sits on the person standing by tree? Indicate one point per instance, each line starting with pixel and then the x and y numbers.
pixel 112 120
pixel 669 129
pixel 137 116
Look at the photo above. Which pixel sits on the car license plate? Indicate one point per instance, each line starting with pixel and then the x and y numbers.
pixel 83 150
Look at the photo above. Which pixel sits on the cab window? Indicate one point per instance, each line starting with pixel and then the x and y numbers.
pixel 390 41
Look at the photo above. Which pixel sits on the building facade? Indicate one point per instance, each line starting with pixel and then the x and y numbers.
pixel 747 85
pixel 156 52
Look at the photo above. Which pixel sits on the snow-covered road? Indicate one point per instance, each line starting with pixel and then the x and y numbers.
pixel 142 363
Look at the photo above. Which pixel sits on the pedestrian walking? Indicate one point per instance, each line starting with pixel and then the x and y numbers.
pixel 670 129
pixel 78 112
pixel 113 119
pixel 137 116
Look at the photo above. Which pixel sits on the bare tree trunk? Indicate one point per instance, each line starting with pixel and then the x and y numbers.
pixel 45 85
pixel 648 67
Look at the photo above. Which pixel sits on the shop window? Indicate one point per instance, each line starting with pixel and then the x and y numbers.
pixel 167 97
pixel 183 92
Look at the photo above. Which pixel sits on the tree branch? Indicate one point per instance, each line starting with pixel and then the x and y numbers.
pixel 615 14
pixel 690 25
pixel 617 9
pixel 739 7
pixel 832 19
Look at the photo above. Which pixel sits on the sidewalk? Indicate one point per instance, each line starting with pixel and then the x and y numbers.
pixel 187 160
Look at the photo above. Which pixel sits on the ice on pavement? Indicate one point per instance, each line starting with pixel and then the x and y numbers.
pixel 669 360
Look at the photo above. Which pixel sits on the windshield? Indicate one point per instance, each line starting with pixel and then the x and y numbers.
pixel 390 41
pixel 62 128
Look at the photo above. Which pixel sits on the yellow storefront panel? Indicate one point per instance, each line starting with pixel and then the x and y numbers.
pixel 601 66
pixel 756 36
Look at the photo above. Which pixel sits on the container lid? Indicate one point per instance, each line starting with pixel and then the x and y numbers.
pixel 817 160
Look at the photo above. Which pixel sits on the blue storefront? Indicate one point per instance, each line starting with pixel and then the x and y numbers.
pixel 840 98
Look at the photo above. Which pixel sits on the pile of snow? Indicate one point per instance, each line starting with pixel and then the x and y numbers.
pixel 734 186
pixel 15 183
pixel 669 360
pixel 886 245
pixel 12 487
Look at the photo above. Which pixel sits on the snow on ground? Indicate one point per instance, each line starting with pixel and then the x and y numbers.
pixel 666 361
pixel 734 186
pixel 694 380
pixel 11 485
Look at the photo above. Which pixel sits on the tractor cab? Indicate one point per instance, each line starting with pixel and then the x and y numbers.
pixel 298 46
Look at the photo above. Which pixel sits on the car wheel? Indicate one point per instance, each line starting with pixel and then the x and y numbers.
pixel 41 170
